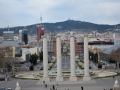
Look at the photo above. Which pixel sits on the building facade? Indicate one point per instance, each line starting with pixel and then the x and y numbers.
pixel 40 32
pixel 8 35
pixel 11 49
pixel 23 36
pixel 50 42
pixel 34 43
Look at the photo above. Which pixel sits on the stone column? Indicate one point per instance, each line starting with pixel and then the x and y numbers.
pixel 86 60
pixel 45 60
pixel 59 61
pixel 72 57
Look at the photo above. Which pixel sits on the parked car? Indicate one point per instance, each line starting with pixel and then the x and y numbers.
pixel 9 89
pixel 2 88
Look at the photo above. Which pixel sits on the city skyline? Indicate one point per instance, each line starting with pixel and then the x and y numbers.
pixel 27 12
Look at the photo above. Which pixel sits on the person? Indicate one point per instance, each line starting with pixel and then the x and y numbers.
pixel 56 86
pixel 113 77
pixel 45 85
pixel 43 82
pixel 6 75
pixel 53 87
pixel 50 88
pixel 82 88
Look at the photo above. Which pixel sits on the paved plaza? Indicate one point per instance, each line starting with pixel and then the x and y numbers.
pixel 95 84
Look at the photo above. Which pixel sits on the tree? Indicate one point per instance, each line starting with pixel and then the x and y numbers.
pixel 7 60
pixel 115 55
pixel 93 57
pixel 41 55
pixel 2 62
pixel 34 58
pixel 11 62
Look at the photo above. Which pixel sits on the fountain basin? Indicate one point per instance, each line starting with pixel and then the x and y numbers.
pixel 104 73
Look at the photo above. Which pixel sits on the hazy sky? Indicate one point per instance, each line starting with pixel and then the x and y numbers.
pixel 27 12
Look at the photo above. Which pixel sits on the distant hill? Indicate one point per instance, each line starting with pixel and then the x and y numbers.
pixel 69 25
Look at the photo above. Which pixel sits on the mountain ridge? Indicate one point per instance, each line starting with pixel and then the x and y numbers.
pixel 68 25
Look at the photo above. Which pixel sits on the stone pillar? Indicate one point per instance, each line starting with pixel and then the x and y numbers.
pixel 86 60
pixel 37 48
pixel 72 57
pixel 59 61
pixel 45 60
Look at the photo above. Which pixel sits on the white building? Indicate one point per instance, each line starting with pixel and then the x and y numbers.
pixel 34 50
pixel 20 36
pixel 8 35
pixel 25 55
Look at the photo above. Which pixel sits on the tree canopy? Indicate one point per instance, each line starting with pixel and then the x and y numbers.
pixel 34 58
pixel 115 55
pixel 41 55
pixel 6 58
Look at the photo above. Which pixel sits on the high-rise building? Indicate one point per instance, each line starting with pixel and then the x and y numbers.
pixel 23 36
pixel 40 31
pixel 20 36
pixel 50 40
pixel 8 35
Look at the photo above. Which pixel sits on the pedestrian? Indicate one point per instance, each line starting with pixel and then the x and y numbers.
pixel 56 86
pixel 45 85
pixel 113 77
pixel 82 88
pixel 44 82
pixel 53 87
pixel 104 89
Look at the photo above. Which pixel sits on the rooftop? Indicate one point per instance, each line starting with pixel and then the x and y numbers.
pixel 9 43
pixel 114 47
pixel 8 31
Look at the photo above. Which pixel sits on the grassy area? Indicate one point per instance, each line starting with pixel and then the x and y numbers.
pixel 118 74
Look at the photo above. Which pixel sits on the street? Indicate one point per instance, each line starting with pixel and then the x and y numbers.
pixel 65 63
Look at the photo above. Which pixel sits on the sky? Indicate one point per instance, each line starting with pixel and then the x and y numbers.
pixel 28 12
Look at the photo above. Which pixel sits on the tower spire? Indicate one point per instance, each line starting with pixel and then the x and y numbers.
pixel 40 19
pixel 8 27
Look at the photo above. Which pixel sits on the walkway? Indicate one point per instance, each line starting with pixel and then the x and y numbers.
pixel 93 66
pixel 98 84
